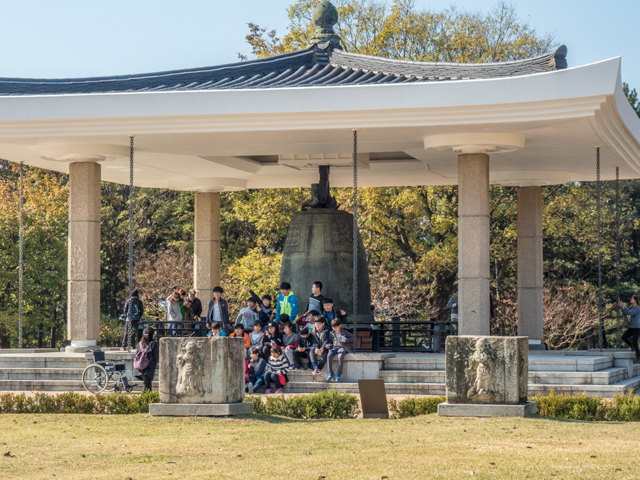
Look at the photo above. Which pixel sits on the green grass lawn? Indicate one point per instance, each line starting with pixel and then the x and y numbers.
pixel 143 447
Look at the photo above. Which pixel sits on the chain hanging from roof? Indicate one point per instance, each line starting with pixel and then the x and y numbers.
pixel 599 214
pixel 130 272
pixel 618 312
pixel 355 237
pixel 21 255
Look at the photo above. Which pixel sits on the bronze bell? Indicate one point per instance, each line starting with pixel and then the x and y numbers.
pixel 319 247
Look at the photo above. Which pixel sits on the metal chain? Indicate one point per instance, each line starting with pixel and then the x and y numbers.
pixel 618 312
pixel 129 341
pixel 21 255
pixel 355 237
pixel 599 213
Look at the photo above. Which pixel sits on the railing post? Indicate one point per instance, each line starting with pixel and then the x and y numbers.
pixel 395 333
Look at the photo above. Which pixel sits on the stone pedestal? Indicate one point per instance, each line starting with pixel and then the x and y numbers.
pixel 473 244
pixel 486 374
pixel 83 272
pixel 206 245
pixel 530 323
pixel 201 376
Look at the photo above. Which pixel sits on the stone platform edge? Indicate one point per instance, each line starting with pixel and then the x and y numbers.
pixel 485 410
pixel 200 409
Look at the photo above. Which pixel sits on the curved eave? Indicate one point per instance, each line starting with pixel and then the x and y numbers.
pixel 578 97
pixel 553 92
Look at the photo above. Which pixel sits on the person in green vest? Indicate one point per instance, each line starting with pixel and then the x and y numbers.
pixel 287 302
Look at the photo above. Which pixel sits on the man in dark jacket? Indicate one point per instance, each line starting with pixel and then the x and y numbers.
pixel 193 309
pixel 218 311
pixel 133 310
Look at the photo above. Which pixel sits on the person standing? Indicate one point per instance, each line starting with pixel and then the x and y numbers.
pixel 174 315
pixel 153 353
pixel 133 309
pixel 287 302
pixel 630 336
pixel 173 290
pixel 316 298
pixel 453 306
pixel 218 311
pixel 193 309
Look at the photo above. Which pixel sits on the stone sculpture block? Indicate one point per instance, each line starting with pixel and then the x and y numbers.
pixel 201 370
pixel 487 370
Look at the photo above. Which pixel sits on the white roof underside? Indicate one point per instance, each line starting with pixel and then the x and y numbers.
pixel 232 139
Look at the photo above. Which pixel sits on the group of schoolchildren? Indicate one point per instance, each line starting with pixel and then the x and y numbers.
pixel 276 346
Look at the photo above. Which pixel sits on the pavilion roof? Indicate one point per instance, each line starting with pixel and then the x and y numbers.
pixel 319 65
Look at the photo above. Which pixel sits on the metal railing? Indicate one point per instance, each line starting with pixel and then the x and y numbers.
pixel 396 335
pixel 185 328
pixel 390 335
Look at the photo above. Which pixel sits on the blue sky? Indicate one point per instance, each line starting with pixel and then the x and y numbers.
pixel 72 38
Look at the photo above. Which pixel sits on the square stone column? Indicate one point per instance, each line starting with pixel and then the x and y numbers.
pixel 473 244
pixel 530 323
pixel 206 245
pixel 83 272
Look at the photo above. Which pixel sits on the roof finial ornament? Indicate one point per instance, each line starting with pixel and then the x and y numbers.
pixel 324 17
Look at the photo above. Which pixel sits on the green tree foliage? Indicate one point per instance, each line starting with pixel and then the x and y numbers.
pixel 402 31
pixel 45 244
pixel 632 96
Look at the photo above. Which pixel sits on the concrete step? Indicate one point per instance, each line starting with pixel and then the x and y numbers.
pixel 566 363
pixel 42 361
pixel 607 376
pixel 413 376
pixel 604 391
pixel 391 388
pixel 52 385
pixel 41 373
pixel 416 362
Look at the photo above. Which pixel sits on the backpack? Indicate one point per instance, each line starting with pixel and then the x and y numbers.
pixel 133 312
pixel 142 360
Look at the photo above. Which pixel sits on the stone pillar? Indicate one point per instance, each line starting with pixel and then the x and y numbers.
pixel 206 245
pixel 83 273
pixel 530 263
pixel 473 244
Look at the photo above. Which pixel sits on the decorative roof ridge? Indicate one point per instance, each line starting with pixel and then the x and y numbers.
pixel 167 73
pixel 558 55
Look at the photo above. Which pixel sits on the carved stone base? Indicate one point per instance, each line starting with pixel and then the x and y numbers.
pixel 200 409
pixel 486 410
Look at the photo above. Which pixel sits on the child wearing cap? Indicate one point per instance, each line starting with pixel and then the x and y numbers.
pixel 272 338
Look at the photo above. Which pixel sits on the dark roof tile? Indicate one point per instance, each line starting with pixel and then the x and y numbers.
pixel 318 65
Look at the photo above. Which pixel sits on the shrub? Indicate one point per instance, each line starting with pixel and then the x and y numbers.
pixel 325 404
pixel 574 407
pixel 77 403
pixel 414 406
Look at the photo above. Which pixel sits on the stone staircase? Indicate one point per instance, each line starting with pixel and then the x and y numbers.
pixel 49 372
pixel 596 373
pixel 593 372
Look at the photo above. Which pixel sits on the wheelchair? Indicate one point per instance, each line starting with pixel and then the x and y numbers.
pixel 107 376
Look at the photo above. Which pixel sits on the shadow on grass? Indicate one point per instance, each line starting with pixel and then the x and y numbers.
pixel 275 420
pixel 571 420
